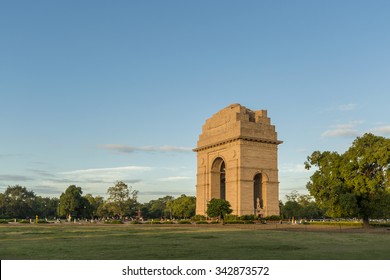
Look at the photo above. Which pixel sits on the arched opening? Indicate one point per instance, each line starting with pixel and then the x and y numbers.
pixel 218 179
pixel 222 181
pixel 258 203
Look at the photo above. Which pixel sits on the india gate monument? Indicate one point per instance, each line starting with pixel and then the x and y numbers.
pixel 237 156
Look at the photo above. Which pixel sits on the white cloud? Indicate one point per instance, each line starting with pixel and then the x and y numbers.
pixel 48 190
pixel 108 170
pixel 127 174
pixel 131 149
pixel 383 130
pixel 293 168
pixel 162 193
pixel 347 107
pixel 41 173
pixel 342 130
pixel 176 178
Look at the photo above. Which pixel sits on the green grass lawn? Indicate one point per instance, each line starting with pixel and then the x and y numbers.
pixel 145 242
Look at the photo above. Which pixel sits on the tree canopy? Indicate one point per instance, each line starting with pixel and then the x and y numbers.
pixel 71 201
pixel 18 202
pixel 183 206
pixel 161 207
pixel 355 183
pixel 122 200
pixel 300 207
pixel 218 208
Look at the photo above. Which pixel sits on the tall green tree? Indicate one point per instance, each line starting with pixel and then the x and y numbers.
pixel 300 206
pixel 355 183
pixel 46 207
pixel 291 209
pixel 218 208
pixel 18 202
pixel 2 205
pixel 71 202
pixel 122 200
pixel 94 203
pixel 310 208
pixel 184 206
pixel 159 208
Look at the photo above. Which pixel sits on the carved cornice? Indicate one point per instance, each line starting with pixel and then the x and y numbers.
pixel 235 139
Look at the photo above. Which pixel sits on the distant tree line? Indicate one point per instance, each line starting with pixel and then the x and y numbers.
pixel 299 206
pixel 121 202
pixel 168 207
pixel 355 184
pixel 18 202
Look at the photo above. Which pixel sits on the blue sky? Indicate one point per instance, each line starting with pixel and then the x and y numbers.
pixel 92 92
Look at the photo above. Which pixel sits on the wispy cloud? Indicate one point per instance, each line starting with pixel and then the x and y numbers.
pixel 5 155
pixel 108 170
pixel 163 193
pixel 301 150
pixel 41 173
pixel 48 190
pixel 15 178
pixel 128 174
pixel 63 181
pixel 131 149
pixel 383 130
pixel 173 179
pixel 342 130
pixel 347 107
pixel 13 155
pixel 293 168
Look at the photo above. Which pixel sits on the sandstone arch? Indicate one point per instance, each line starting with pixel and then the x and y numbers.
pixel 243 143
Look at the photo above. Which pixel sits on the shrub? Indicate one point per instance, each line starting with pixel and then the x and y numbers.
pixel 199 218
pixel 184 222
pixel 168 223
pixel 234 222
pixel 114 222
pixel 201 222
pixel 23 221
pixel 3 222
pixel 382 225
pixel 273 218
pixel 135 222
pixel 352 224
pixel 155 222
pixel 231 218
pixel 215 222
pixel 42 222
pixel 248 218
